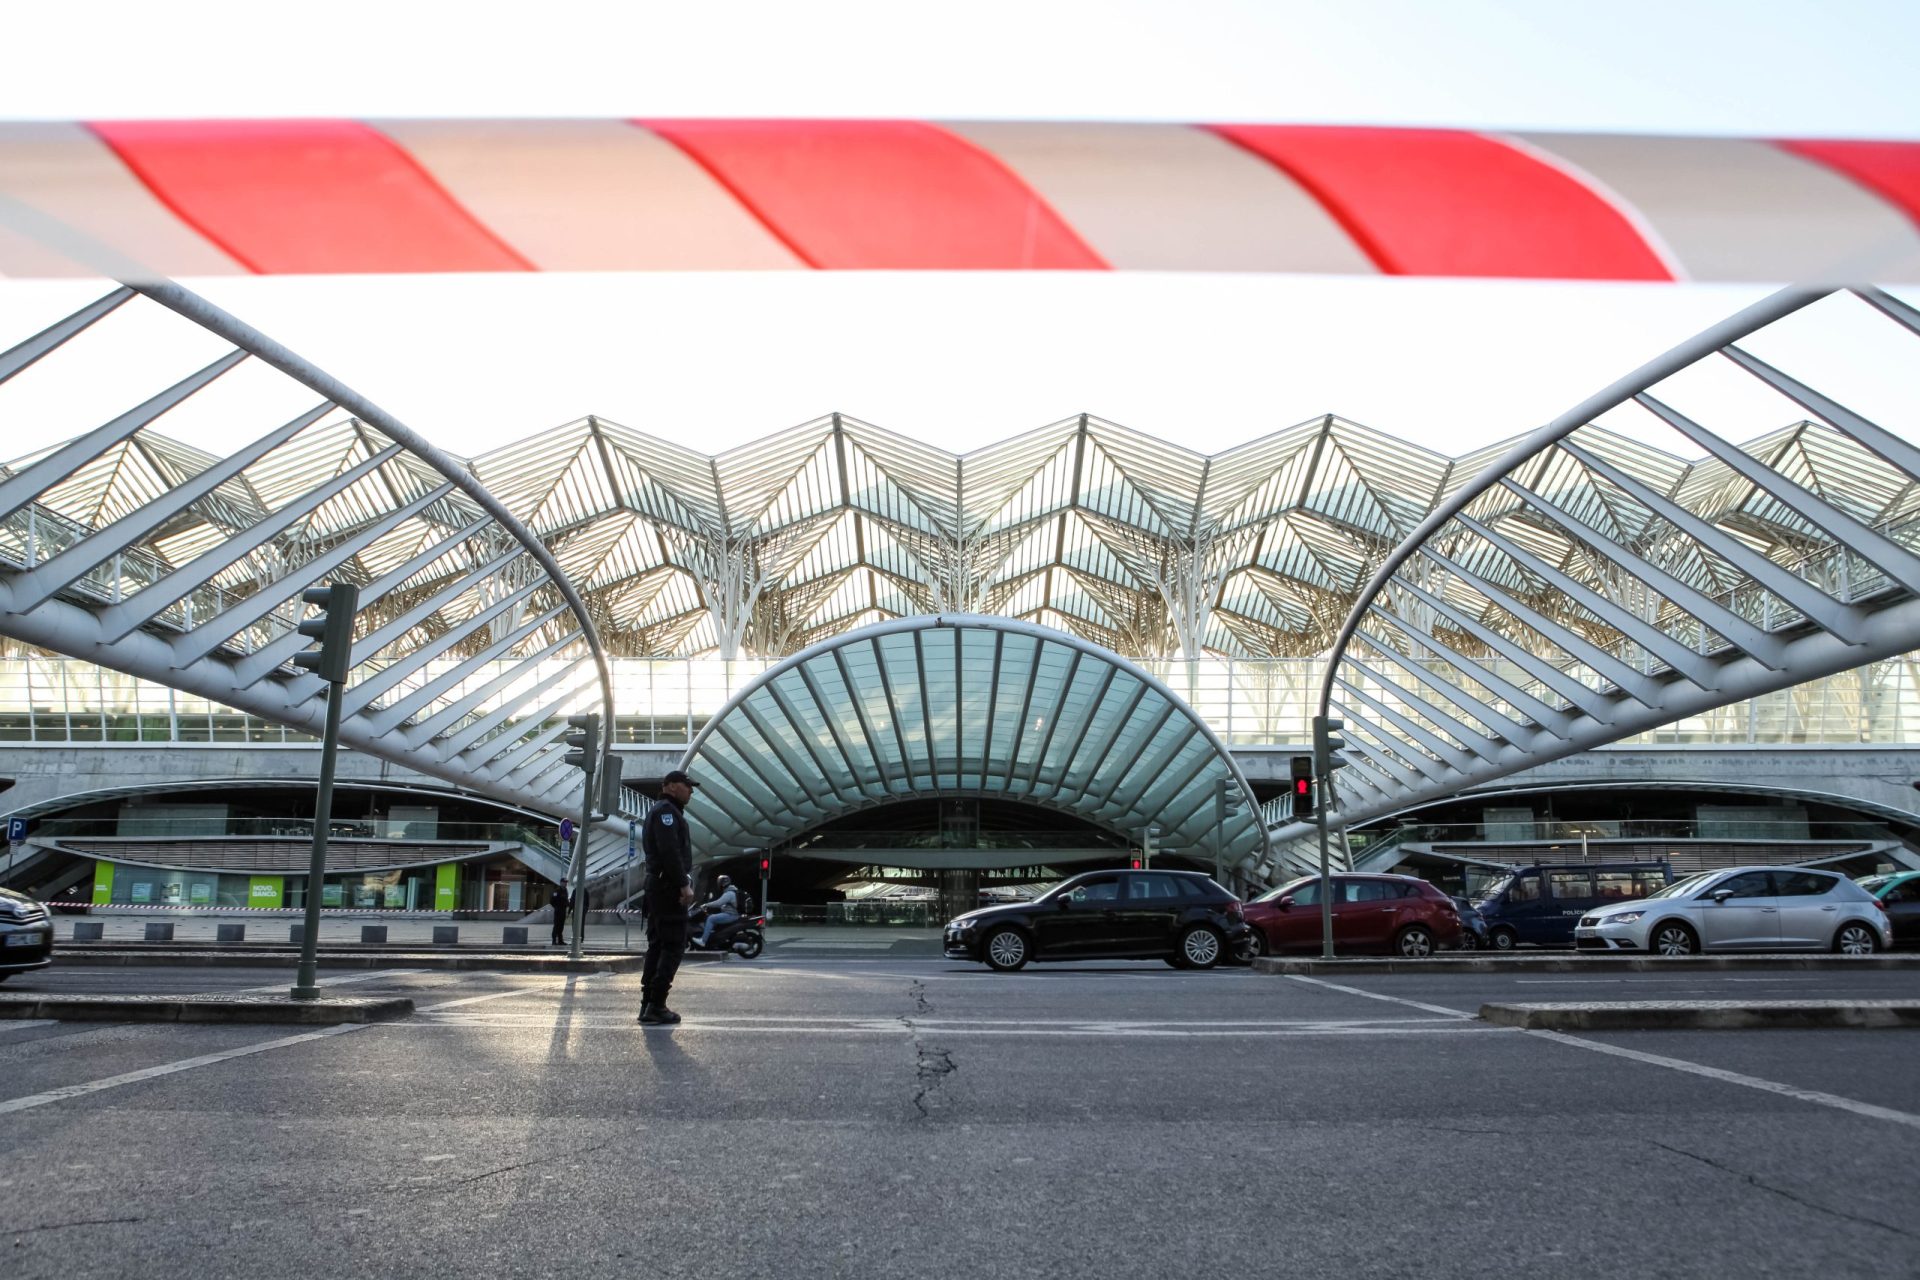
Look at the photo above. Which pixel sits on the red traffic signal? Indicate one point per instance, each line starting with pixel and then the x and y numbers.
pixel 766 865
pixel 1302 786
pixel 1136 862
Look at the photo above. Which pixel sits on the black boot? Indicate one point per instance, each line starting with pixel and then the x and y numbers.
pixel 651 1015
pixel 665 1014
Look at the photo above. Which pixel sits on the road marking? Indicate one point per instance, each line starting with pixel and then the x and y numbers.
pixel 208 1059
pixel 895 1027
pixel 1815 1096
pixel 11 1025
pixel 169 1068
pixel 340 981
pixel 1374 995
pixel 834 946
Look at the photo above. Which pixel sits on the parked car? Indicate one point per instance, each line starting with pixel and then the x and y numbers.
pixel 1538 905
pixel 26 934
pixel 1397 915
pixel 1899 893
pixel 1181 917
pixel 1473 926
pixel 1743 909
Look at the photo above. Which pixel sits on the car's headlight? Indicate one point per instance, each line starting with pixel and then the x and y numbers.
pixel 1625 917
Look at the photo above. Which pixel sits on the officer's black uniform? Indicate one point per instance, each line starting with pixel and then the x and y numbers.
pixel 560 900
pixel 669 852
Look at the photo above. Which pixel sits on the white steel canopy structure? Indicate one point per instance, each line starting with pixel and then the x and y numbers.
pixel 968 706
pixel 128 550
pixel 1086 526
pixel 1483 614
pixel 1580 588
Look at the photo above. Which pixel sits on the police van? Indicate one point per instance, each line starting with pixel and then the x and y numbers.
pixel 1540 904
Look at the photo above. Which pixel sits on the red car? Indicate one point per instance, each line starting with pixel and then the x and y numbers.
pixel 1384 915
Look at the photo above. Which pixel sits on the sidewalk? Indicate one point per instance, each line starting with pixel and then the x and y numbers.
pixel 416 930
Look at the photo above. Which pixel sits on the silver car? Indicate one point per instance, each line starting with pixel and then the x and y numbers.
pixel 1743 909
pixel 26 934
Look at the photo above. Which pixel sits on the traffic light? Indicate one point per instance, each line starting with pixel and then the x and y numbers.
pixel 1135 864
pixel 1302 787
pixel 766 865
pixel 1327 746
pixel 613 789
pixel 584 742
pixel 333 628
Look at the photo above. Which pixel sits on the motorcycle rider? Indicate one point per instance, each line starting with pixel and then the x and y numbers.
pixel 722 911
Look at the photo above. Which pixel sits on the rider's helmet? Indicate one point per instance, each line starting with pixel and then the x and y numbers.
pixel 724 881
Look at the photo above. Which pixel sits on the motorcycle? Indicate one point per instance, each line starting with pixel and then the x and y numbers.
pixel 745 937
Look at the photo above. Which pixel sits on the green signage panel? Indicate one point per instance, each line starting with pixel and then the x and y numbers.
pixel 102 883
pixel 446 886
pixel 266 891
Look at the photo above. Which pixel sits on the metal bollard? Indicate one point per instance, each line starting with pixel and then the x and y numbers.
pixel 513 936
pixel 296 933
pixel 373 935
pixel 89 931
pixel 232 932
pixel 446 935
pixel 159 932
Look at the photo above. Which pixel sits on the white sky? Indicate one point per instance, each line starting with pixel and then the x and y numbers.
pixel 962 359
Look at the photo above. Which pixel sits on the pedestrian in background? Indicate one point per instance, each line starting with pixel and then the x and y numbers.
pixel 669 853
pixel 561 901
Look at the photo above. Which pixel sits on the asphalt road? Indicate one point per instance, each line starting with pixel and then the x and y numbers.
pixel 903 1117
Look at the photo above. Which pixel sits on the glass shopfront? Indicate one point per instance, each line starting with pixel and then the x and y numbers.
pixel 441 887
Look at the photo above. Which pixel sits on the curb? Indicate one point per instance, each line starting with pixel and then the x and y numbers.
pixel 624 962
pixel 329 1012
pixel 1705 1015
pixel 1585 964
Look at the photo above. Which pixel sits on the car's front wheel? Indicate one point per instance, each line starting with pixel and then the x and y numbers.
pixel 1415 942
pixel 1200 947
pixel 1503 939
pixel 1007 950
pixel 1672 939
pixel 1855 939
pixel 1254 945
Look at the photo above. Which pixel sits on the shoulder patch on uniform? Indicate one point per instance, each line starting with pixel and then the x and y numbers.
pixel 667 819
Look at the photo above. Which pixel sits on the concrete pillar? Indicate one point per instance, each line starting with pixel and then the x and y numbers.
pixel 959 892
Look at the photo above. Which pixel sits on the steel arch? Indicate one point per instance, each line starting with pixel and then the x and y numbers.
pixel 965 705
pixel 1582 589
pixel 129 550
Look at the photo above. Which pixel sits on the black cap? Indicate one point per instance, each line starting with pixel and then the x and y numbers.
pixel 677 776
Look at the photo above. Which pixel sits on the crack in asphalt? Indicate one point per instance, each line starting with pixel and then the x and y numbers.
pixel 1782 1192
pixel 931 1066
pixel 79 1222
pixel 572 1154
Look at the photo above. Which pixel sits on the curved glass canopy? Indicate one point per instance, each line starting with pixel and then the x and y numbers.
pixel 967 706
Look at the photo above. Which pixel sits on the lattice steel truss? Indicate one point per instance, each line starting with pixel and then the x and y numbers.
pixel 1582 588
pixel 1085 526
pixel 135 552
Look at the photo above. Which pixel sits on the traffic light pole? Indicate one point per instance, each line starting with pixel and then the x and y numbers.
pixel 304 986
pixel 1326 881
pixel 580 869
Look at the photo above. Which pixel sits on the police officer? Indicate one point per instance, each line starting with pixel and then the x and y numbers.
pixel 669 890
pixel 561 900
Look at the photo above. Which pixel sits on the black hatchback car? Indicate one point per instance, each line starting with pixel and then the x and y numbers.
pixel 1181 917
